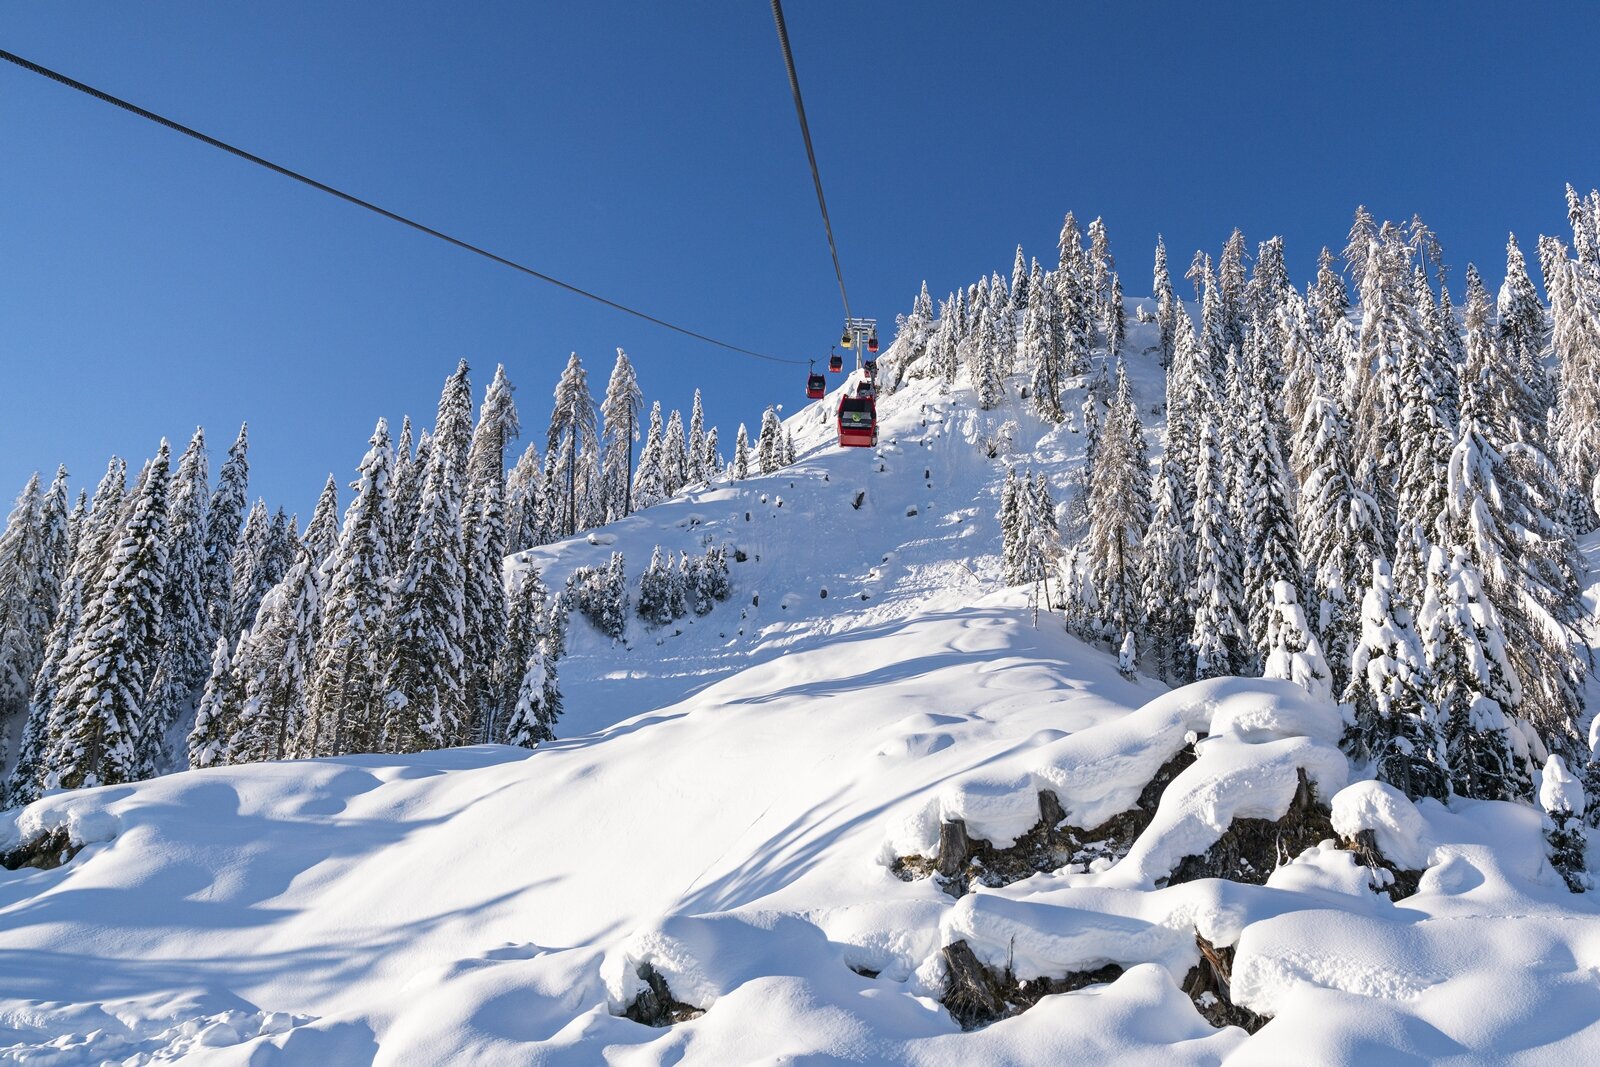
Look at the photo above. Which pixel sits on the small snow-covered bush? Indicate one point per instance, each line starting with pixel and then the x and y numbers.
pixel 601 595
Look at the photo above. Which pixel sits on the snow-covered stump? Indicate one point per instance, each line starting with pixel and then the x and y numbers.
pixel 977 995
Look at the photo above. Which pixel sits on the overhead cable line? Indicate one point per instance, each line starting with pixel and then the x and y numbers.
pixel 811 155
pixel 250 157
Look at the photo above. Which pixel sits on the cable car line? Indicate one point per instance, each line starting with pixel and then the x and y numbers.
pixel 250 157
pixel 811 155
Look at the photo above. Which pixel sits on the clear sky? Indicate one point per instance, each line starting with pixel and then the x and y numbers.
pixel 649 151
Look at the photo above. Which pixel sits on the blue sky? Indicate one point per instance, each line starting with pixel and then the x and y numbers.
pixel 650 152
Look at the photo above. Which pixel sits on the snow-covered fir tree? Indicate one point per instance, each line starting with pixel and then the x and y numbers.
pixel 96 535
pixel 769 445
pixel 344 699
pixel 988 379
pixel 1292 650
pixel 1340 533
pixel 1166 305
pixel 1475 685
pixel 100 704
pixel 224 514
pixel 424 695
pixel 273 665
pixel 1268 532
pixel 650 478
pixel 619 429
pixel 1119 513
pixel 674 455
pixel 655 590
pixel 1395 720
pixel 1044 351
pixel 1561 795
pixel 694 470
pixel 1220 641
pixel 485 545
pixel 321 535
pixel 1328 297
pixel 741 454
pixel 186 636
pixel 24 607
pixel 216 716
pixel 574 435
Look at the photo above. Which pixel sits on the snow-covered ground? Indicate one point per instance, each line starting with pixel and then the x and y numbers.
pixel 726 804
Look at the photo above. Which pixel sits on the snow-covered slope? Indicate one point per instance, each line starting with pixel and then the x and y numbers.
pixel 730 804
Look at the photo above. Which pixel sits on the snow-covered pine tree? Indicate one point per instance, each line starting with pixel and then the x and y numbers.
pixel 528 640
pixel 23 567
pixel 223 516
pixel 96 534
pixel 1475 685
pixel 649 480
pixel 1116 319
pixel 1292 650
pixel 573 423
pixel 1561 796
pixel 987 376
pixel 711 458
pixel 1340 536
pixel 104 678
pixel 1358 246
pixel 1013 532
pixel 741 454
pixel 1166 616
pixel 1424 439
pixel 655 593
pixel 1020 292
pixel 674 455
pixel 1166 305
pixel 343 703
pixel 250 566
pixel 714 572
pixel 1522 333
pixel 1220 641
pixel 1388 327
pixel 1119 513
pixel 789 453
pixel 321 536
pixel 1328 297
pixel 694 470
pixel 410 468
pixel 1575 337
pixel 944 350
pixel 1101 269
pixel 769 445
pixel 538 703
pixel 216 716
pixel 1395 721
pixel 1074 301
pixel 186 637
pixel 1270 538
pixel 484 542
pixel 619 429
pixel 681 583
pixel 1044 351
pixel 273 665
pixel 1504 505
pixel 1304 361
pixel 424 695
pixel 1231 292
pixel 522 499
pixel 1269 284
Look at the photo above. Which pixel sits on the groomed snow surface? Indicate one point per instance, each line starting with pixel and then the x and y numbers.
pixel 725 804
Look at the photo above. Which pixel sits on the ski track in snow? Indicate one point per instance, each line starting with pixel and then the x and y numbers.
pixel 723 805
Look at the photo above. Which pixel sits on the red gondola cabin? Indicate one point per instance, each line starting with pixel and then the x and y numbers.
pixel 816 387
pixel 836 363
pixel 858 422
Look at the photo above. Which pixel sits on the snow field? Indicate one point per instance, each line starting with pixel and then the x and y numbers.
pixel 723 805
